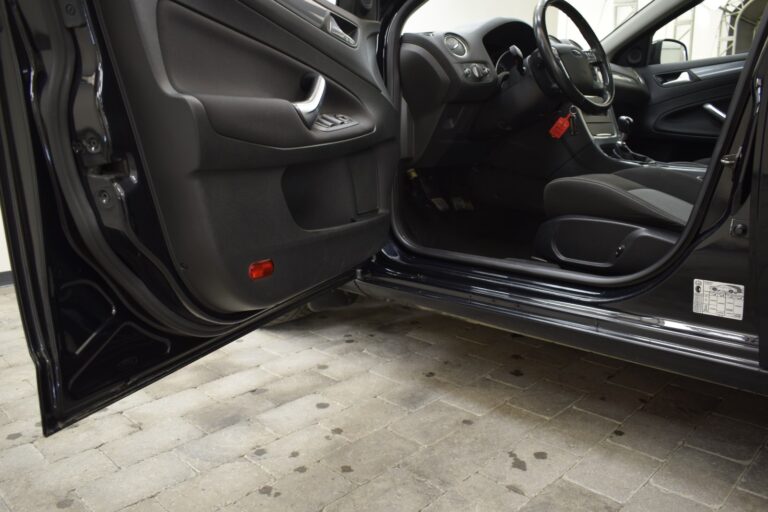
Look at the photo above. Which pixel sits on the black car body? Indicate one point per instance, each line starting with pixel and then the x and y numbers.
pixel 168 186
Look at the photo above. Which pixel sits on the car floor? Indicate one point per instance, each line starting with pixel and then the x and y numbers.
pixel 495 233
pixel 378 407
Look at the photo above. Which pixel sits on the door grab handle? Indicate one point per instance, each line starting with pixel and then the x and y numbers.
pixel 683 78
pixel 715 112
pixel 309 108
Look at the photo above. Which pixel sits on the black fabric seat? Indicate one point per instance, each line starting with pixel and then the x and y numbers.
pixel 653 197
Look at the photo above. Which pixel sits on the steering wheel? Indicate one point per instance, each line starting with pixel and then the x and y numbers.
pixel 583 76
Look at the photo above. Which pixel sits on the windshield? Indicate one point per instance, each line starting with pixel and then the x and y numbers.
pixel 603 15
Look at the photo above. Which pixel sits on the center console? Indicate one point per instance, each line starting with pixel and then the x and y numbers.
pixel 609 134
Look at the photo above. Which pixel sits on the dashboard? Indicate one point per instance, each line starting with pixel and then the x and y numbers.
pixel 459 66
pixel 467 86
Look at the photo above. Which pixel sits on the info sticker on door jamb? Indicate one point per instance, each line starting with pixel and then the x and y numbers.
pixel 725 300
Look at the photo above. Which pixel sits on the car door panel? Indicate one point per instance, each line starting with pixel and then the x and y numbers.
pixel 674 125
pixel 173 156
pixel 195 98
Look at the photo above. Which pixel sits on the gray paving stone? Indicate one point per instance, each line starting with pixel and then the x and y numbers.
pixel 687 401
pixel 656 429
pixel 135 483
pixel 480 494
pixel 431 423
pixel 729 438
pixel 755 480
pixel 397 489
pixel 652 499
pixel 699 476
pixel 296 363
pixel 48 485
pixel 369 366
pixel 479 397
pixel 148 505
pixel 177 404
pixel 523 373
pixel 224 414
pixel 529 467
pixel 613 471
pixel 608 362
pixel 155 439
pixel 641 378
pixel 507 350
pixel 82 436
pixel 135 399
pixel 363 417
pixel 454 458
pixel 746 407
pixel 417 393
pixel 554 354
pixel 299 413
pixel 216 488
pixel 237 383
pixel 575 431
pixel 224 445
pixel 297 451
pixel 289 345
pixel 564 496
pixel 349 365
pixel 613 402
pixel 546 398
pixel 360 387
pixel 193 376
pixel 18 460
pixel 18 432
pixel 309 491
pixel 23 409
pixel 740 501
pixel 365 459
pixel 288 389
pixel 406 370
pixel 237 357
pixel 583 375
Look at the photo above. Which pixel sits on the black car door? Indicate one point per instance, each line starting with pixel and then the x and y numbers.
pixel 179 172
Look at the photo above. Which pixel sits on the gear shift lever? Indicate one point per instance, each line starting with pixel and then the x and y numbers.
pixel 621 150
pixel 625 126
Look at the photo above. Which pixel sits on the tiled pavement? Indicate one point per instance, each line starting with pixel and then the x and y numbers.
pixel 381 408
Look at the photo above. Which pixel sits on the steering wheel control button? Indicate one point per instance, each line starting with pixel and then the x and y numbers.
pixel 456 45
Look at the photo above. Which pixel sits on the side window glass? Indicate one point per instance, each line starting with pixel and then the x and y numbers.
pixel 714 28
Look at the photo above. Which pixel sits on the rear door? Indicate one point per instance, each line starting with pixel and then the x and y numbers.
pixel 179 172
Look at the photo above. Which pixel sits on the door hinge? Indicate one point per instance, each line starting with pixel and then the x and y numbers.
pixel 93 142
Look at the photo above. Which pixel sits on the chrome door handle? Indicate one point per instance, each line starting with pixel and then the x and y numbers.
pixel 715 112
pixel 683 78
pixel 309 108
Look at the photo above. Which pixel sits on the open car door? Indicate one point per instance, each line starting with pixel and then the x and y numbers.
pixel 179 172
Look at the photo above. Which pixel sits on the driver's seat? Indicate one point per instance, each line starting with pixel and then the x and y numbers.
pixel 615 223
pixel 644 196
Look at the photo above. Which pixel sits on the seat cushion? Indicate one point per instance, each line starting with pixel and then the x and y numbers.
pixel 658 202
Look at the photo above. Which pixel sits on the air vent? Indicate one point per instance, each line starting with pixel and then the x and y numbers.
pixel 456 45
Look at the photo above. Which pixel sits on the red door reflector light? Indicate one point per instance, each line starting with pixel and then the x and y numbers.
pixel 260 269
